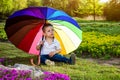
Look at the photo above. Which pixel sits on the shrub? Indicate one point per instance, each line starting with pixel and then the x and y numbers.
pixel 96 44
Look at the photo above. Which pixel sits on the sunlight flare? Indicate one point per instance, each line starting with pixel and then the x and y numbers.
pixel 104 1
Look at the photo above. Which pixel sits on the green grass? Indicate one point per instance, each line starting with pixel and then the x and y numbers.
pixel 82 70
pixel 109 28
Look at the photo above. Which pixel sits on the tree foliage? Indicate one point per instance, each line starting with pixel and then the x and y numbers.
pixel 5 7
pixel 112 10
pixel 78 8
pixel 19 4
pixel 89 7
pixel 9 6
pixel 34 3
pixel 58 4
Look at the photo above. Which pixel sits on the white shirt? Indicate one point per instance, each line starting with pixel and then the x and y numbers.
pixel 47 48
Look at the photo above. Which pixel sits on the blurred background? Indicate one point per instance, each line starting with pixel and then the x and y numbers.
pixel 85 9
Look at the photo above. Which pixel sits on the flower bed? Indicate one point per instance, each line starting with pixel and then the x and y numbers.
pixel 15 74
pixel 55 76
pixel 12 74
pixel 97 44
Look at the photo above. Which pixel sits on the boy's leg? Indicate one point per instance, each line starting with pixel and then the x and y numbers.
pixel 43 58
pixel 60 58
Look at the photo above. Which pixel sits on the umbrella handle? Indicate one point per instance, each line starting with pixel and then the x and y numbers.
pixel 38 60
pixel 40 51
pixel 32 61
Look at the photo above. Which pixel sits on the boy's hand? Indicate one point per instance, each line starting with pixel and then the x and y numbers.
pixel 51 54
pixel 38 46
pixel 41 43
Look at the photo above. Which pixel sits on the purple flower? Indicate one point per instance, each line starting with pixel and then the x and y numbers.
pixel 1 79
pixel 56 76
pixel 12 74
pixel 9 77
pixel 5 71
pixel 28 78
pixel 24 73
pixel 2 59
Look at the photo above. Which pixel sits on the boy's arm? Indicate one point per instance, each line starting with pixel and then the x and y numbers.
pixel 57 51
pixel 51 54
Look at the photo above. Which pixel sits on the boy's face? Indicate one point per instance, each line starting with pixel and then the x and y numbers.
pixel 49 32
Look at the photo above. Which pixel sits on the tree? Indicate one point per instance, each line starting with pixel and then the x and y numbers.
pixel 19 4
pixel 112 10
pixel 89 7
pixel 34 2
pixel 73 6
pixel 6 7
pixel 78 8
pixel 58 4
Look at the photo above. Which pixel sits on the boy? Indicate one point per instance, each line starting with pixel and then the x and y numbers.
pixel 51 48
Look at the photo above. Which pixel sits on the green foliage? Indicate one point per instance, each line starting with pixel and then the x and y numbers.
pixel 34 2
pixel 3 35
pixel 100 39
pixel 2 32
pixel 6 6
pixel 96 44
pixel 108 28
pixel 89 7
pixel 19 4
pixel 76 7
pixel 72 7
pixel 58 4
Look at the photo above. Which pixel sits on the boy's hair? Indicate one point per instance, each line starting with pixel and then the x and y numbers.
pixel 45 26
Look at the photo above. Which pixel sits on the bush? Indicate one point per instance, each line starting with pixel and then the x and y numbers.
pixel 97 45
pixel 3 35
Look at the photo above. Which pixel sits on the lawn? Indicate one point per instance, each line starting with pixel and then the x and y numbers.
pixel 82 70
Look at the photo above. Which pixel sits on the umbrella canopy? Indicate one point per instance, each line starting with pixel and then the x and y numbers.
pixel 24 29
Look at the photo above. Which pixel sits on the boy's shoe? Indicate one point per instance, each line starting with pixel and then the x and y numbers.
pixel 49 62
pixel 72 59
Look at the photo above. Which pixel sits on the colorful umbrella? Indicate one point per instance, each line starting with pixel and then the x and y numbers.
pixel 24 29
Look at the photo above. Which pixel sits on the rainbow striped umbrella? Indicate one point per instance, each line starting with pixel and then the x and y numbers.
pixel 24 29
